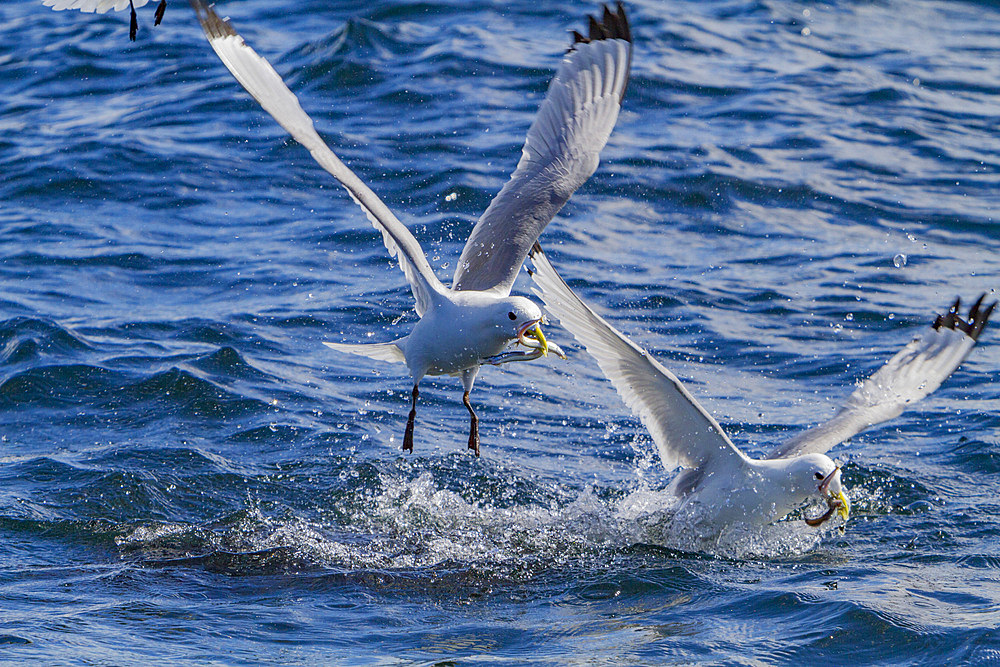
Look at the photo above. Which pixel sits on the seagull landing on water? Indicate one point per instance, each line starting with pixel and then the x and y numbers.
pixel 101 6
pixel 475 320
pixel 720 486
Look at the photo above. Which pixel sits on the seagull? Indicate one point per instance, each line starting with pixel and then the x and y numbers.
pixel 719 485
pixel 476 320
pixel 101 6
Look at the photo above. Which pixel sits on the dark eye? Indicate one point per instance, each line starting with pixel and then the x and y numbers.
pixel 820 476
pixel 512 315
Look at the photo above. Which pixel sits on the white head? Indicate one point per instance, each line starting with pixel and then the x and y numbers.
pixel 514 316
pixel 815 476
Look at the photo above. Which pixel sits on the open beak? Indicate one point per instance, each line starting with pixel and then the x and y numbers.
pixel 533 329
pixel 530 335
pixel 836 499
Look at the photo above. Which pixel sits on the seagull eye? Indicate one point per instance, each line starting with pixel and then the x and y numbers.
pixel 820 476
pixel 512 315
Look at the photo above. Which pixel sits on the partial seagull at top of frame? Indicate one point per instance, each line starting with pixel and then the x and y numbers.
pixel 101 6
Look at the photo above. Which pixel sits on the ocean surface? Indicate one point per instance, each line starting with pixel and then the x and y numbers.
pixel 187 476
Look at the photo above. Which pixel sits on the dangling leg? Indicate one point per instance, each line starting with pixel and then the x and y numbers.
pixel 133 24
pixel 474 428
pixel 408 436
pixel 160 8
pixel 468 377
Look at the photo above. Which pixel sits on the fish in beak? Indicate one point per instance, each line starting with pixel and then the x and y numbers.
pixel 530 335
pixel 836 499
pixel 532 329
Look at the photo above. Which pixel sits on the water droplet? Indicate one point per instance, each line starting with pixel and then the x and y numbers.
pixel 899 261
pixel 806 31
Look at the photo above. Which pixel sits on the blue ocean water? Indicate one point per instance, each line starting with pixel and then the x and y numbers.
pixel 187 475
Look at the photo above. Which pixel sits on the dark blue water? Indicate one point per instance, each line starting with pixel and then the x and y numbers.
pixel 187 475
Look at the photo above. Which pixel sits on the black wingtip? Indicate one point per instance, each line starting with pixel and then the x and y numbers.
pixel 160 8
pixel 980 320
pixel 613 25
pixel 536 249
pixel 214 26
pixel 973 325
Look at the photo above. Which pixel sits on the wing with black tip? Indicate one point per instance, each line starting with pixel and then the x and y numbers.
pixel 916 371
pixel 560 153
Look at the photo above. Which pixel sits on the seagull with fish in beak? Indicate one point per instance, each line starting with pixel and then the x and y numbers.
pixel 720 486
pixel 476 320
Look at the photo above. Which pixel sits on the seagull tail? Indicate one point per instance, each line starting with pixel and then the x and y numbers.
pixel 391 351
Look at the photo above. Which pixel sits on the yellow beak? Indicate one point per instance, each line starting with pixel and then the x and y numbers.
pixel 845 506
pixel 540 337
pixel 534 331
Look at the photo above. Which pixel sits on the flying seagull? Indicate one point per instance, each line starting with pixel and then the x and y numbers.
pixel 720 485
pixel 475 320
pixel 101 6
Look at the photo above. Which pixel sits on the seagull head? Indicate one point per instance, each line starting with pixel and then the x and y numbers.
pixel 816 475
pixel 521 319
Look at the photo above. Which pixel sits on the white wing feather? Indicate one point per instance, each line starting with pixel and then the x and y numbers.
pixel 684 433
pixel 391 352
pixel 560 153
pixel 913 373
pixel 260 80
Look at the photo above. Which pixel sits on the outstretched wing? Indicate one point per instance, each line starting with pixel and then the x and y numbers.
pixel 684 433
pixel 266 86
pixel 915 371
pixel 560 153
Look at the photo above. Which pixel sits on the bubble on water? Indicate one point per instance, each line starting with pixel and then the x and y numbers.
pixel 452 196
pixel 899 261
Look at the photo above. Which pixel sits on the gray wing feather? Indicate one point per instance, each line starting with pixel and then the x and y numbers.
pixel 257 76
pixel 913 373
pixel 560 153
pixel 684 433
